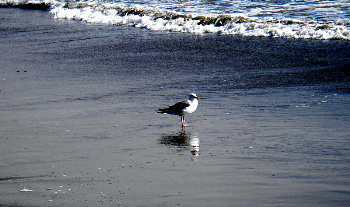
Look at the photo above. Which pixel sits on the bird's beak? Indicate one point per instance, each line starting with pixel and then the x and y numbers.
pixel 197 97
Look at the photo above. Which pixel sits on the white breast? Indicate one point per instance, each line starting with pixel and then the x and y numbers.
pixel 192 107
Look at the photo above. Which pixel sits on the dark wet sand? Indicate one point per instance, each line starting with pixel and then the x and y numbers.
pixel 78 121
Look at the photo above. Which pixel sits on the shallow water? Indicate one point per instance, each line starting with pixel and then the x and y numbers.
pixel 79 125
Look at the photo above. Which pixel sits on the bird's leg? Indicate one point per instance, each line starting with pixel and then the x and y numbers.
pixel 183 122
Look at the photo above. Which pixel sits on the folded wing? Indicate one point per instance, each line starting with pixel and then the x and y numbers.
pixel 176 109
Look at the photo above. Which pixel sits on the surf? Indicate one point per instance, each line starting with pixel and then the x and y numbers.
pixel 162 19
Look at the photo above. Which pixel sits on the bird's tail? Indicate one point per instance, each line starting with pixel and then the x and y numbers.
pixel 162 111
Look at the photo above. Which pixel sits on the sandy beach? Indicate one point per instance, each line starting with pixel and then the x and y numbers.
pixel 78 121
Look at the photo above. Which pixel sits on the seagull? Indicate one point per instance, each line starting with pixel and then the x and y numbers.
pixel 182 108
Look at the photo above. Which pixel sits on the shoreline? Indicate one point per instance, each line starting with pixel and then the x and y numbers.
pixel 236 24
pixel 80 128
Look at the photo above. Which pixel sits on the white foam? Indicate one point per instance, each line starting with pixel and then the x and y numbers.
pixel 256 21
pixel 108 14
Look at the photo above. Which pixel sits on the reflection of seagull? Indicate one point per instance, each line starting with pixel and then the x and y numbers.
pixel 182 108
pixel 182 139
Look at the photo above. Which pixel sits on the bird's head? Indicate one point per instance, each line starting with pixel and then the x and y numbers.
pixel 193 96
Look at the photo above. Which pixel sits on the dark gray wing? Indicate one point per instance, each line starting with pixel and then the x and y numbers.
pixel 176 109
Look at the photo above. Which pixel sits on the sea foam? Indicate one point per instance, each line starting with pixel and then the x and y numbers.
pixel 155 18
pixel 240 24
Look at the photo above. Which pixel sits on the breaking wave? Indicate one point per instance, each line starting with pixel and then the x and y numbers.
pixel 152 18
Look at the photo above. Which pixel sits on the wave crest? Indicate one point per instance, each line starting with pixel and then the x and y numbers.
pixel 161 19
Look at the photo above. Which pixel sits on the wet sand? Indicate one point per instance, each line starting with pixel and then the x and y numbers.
pixel 78 121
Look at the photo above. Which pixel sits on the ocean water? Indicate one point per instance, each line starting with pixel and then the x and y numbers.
pixel 79 95
pixel 307 19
